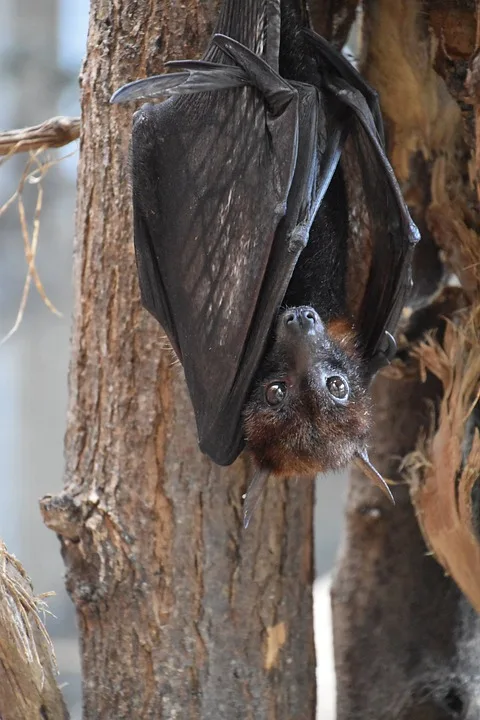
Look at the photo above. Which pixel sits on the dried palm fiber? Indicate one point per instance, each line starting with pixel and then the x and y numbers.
pixel 445 469
pixel 28 668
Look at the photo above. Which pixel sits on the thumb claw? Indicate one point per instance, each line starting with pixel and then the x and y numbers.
pixel 363 463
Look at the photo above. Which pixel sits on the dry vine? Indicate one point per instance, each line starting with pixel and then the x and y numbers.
pixel 35 170
pixel 53 133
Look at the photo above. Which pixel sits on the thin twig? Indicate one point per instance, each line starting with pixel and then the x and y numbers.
pixel 34 172
pixel 31 249
pixel 56 132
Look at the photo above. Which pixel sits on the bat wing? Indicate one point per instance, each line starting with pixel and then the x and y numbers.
pixel 393 236
pixel 392 233
pixel 225 187
pixel 336 65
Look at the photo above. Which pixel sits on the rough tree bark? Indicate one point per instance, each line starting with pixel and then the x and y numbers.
pixel 407 641
pixel 181 614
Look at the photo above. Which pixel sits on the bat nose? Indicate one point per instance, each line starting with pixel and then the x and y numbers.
pixel 302 318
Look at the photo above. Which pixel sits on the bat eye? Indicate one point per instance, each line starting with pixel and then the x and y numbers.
pixel 275 393
pixel 337 387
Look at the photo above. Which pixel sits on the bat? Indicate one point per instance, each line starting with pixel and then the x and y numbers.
pixel 259 185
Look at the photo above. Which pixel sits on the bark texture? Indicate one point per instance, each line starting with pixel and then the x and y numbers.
pixel 407 640
pixel 181 613
pixel 28 687
pixel 333 18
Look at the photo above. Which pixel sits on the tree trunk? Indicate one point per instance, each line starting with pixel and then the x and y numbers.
pixel 407 641
pixel 181 613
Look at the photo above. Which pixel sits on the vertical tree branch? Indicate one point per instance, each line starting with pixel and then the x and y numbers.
pixel 181 613
pixel 406 639
pixel 403 631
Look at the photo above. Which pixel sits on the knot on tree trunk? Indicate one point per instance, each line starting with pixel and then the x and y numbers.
pixel 62 514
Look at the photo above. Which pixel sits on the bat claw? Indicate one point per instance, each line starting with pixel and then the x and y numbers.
pixel 391 349
pixel 253 494
pixel 363 463
pixel 385 355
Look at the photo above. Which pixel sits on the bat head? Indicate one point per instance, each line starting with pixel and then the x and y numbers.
pixel 309 411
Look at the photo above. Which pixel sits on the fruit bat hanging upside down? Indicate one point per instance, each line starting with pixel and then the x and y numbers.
pixel 255 185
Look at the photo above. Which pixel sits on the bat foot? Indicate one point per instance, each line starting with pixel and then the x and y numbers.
pixel 277 92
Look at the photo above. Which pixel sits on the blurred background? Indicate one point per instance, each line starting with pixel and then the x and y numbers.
pixel 42 44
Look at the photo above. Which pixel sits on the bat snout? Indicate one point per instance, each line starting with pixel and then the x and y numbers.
pixel 302 320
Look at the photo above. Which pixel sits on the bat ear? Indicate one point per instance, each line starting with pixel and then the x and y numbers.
pixel 363 463
pixel 253 494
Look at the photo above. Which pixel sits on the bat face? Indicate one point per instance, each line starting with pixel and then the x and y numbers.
pixel 309 411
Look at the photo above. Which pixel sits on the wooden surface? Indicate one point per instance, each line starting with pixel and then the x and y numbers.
pixel 181 613
pixel 407 638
